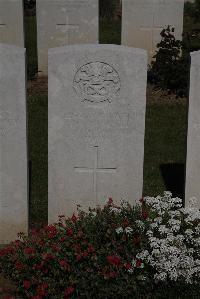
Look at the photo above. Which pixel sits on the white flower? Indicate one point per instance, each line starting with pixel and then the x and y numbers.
pixel 128 230
pixel 142 265
pixel 115 210
pixel 140 224
pixel 173 255
pixel 119 230
pixel 93 213
pixel 130 270
pixel 133 263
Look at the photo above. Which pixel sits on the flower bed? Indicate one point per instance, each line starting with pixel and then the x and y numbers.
pixel 113 252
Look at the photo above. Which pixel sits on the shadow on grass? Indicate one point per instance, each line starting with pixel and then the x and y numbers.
pixel 174 178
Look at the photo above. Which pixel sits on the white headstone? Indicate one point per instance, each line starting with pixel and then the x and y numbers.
pixel 13 139
pixel 64 22
pixel 97 101
pixel 143 20
pixel 12 22
pixel 193 140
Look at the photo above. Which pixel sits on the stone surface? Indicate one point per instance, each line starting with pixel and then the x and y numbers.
pixel 97 101
pixel 193 141
pixel 12 22
pixel 143 20
pixel 13 159
pixel 64 22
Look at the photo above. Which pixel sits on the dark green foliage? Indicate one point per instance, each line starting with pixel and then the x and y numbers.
pixel 29 4
pixel 192 25
pixel 170 69
pixel 107 8
pixel 193 10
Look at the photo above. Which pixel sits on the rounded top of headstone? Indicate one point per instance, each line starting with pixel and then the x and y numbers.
pixel 94 47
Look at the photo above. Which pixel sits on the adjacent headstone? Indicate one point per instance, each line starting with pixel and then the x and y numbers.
pixel 143 20
pixel 193 141
pixel 12 22
pixel 64 22
pixel 97 101
pixel 13 139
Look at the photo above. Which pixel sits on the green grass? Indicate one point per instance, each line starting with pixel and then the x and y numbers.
pixel 38 155
pixel 165 143
pixel 110 32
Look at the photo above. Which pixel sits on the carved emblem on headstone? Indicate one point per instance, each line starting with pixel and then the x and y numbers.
pixel 97 82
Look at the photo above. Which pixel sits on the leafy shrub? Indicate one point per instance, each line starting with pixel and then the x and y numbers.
pixel 113 252
pixel 170 67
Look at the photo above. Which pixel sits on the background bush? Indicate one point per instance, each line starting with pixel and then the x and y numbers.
pixel 170 66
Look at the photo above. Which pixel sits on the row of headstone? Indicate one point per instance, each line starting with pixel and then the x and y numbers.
pixel 66 22
pixel 143 20
pixel 96 130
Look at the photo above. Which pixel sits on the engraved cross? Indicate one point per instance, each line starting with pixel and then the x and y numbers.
pixel 67 28
pixel 95 170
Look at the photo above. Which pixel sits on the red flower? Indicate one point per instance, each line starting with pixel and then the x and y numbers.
pixel 26 284
pixel 47 256
pixel 55 248
pixel 42 289
pixel 127 266
pixel 29 250
pixel 69 232
pixel 37 267
pixel 85 254
pixel 110 201
pixel 145 214
pixel 114 260
pixel 51 231
pixel 63 239
pixel 64 264
pixel 90 249
pixel 17 243
pixel 6 250
pixel 68 291
pixel 138 263
pixel 74 218
pixel 19 266
pixel 78 257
